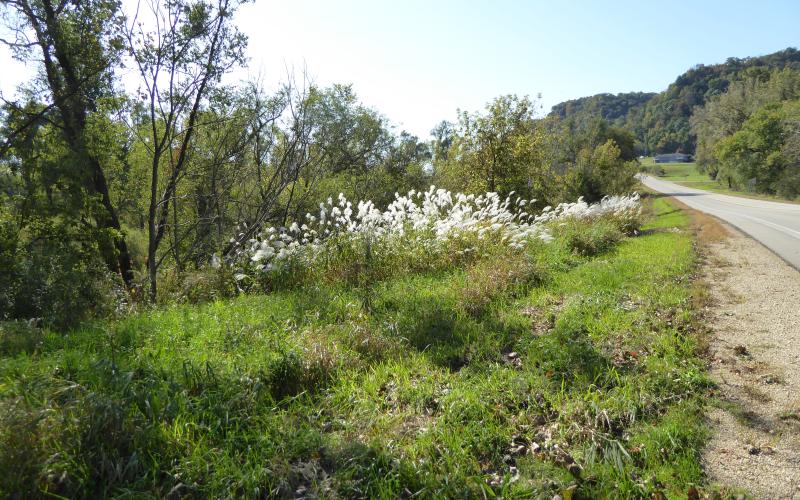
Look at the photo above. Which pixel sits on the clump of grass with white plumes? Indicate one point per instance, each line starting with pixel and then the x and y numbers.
pixel 421 231
pixel 625 212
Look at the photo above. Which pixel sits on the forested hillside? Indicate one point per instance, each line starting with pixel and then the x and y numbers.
pixel 748 138
pixel 661 122
pixel 618 109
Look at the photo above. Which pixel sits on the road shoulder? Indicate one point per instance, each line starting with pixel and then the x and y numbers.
pixel 754 349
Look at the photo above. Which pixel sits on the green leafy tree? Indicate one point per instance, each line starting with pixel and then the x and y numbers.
pixel 498 150
pixel 180 59
pixel 762 155
pixel 76 45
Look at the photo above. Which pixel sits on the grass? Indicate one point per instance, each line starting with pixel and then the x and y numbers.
pixel 686 174
pixel 532 375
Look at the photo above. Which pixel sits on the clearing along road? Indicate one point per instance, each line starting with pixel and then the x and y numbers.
pixel 775 225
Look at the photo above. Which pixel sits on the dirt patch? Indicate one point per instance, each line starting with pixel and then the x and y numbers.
pixel 753 309
pixel 707 228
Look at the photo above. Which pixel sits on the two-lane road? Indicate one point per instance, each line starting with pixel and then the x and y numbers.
pixel 775 225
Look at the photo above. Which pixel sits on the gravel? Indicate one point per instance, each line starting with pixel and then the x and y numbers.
pixel 755 352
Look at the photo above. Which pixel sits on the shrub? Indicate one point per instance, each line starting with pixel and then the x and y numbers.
pixel 590 238
pixel 19 336
pixel 197 286
pixel 492 278
pixel 56 274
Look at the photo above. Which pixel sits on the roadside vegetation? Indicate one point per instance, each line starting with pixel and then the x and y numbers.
pixel 565 367
pixel 113 200
pixel 690 175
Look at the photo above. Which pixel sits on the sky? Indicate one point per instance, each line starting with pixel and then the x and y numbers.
pixel 417 61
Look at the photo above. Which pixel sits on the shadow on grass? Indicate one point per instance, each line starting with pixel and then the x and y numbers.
pixel 568 356
pixel 654 195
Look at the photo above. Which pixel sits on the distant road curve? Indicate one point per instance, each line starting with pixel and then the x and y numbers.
pixel 775 225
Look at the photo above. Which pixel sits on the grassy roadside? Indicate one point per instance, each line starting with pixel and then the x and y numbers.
pixel 557 373
pixel 686 174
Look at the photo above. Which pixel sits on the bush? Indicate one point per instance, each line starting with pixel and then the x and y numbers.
pixel 19 336
pixel 789 185
pixel 590 238
pixel 55 274
pixel 197 286
pixel 507 275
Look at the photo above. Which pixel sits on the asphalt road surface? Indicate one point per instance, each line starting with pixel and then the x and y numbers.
pixel 775 225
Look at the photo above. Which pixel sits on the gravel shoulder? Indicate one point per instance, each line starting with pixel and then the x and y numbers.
pixel 754 315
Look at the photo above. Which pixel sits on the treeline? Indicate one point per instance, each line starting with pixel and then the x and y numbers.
pixel 506 148
pixel 112 197
pixel 749 137
pixel 661 122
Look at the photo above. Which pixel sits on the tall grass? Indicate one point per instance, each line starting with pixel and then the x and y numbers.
pixel 530 371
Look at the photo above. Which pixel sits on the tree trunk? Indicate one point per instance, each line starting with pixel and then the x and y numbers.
pixel 111 221
pixel 69 97
pixel 152 240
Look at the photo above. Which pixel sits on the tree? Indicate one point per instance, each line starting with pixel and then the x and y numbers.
pixel 594 159
pixel 498 150
pixel 598 172
pixel 76 44
pixel 180 60
pixel 753 154
pixel 443 135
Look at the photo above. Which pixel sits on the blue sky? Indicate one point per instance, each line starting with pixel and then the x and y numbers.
pixel 418 61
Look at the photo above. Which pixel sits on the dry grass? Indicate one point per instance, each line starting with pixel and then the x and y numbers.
pixel 488 279
pixel 707 228
pixel 756 394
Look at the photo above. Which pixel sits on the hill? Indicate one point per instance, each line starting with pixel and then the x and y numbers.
pixel 614 108
pixel 660 121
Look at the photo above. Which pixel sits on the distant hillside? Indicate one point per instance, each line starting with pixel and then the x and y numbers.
pixel 660 121
pixel 615 109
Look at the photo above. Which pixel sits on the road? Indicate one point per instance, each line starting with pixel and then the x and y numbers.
pixel 775 225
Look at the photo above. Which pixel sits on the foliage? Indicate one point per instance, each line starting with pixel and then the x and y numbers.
pixel 17 337
pixel 506 149
pixel 624 111
pixel 52 143
pixel 747 136
pixel 583 380
pixel 591 238
pixel 497 151
pixel 661 122
pixel 54 273
pixel 612 108
pixel 422 231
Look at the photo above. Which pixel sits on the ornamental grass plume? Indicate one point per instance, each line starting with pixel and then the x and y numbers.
pixel 432 224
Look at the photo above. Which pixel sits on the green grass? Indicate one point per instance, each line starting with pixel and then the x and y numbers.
pixel 577 375
pixel 678 172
